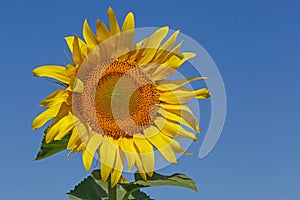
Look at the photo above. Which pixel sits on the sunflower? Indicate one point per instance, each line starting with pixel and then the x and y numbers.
pixel 116 102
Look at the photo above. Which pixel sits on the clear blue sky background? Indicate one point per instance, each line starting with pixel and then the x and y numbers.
pixel 256 45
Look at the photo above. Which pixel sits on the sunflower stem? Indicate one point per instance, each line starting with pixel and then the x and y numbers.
pixel 126 195
pixel 112 191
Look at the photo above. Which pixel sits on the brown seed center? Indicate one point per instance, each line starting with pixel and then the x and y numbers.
pixel 119 99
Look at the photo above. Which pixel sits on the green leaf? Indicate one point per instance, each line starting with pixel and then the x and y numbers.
pixel 53 147
pixel 139 195
pixel 160 180
pixel 88 189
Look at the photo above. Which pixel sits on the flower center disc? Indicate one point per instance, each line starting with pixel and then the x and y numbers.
pixel 119 99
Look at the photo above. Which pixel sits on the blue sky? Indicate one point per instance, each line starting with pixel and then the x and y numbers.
pixel 256 46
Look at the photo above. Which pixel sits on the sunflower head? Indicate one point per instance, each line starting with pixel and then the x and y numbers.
pixel 116 102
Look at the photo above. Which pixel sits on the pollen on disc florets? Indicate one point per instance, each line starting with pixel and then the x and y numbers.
pixel 100 93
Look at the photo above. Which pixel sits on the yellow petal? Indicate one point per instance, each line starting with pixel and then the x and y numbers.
pixel 82 129
pixel 157 37
pixel 165 48
pixel 180 108
pixel 161 142
pixel 108 152
pixel 167 55
pixel 127 147
pixel 127 36
pixel 77 55
pixel 181 117
pixel 52 71
pixel 70 70
pixel 115 177
pixel 63 111
pixel 146 152
pixel 171 65
pixel 80 148
pixel 152 44
pixel 202 93
pixel 128 22
pixel 137 52
pixel 88 154
pixel 101 31
pixel 68 126
pixel 105 171
pixel 89 36
pixel 161 71
pixel 166 145
pixel 178 96
pixel 140 168
pixel 70 40
pixel 170 42
pixel 117 171
pixel 60 129
pixel 56 97
pixel 176 49
pixel 173 129
pixel 183 95
pixel 113 22
pixel 167 85
pixel 72 143
pixel 45 116
pixel 175 146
